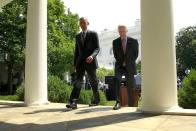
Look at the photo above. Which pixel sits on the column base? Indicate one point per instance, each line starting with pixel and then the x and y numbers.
pixel 37 103
pixel 176 110
pixel 158 109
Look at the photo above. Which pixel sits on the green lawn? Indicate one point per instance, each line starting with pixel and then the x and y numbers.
pixel 9 97
pixel 110 103
pixel 15 98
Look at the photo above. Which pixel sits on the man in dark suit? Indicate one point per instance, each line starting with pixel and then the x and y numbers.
pixel 125 51
pixel 86 50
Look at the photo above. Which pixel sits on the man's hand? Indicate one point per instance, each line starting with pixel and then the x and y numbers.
pixel 89 59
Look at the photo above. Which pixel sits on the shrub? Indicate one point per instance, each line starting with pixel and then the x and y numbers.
pixel 58 90
pixel 102 72
pixel 103 99
pixel 187 94
pixel 20 92
pixel 85 96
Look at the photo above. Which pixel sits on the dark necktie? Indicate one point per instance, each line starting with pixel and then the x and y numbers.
pixel 83 37
pixel 123 42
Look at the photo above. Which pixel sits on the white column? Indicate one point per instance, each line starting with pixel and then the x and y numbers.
pixel 36 53
pixel 159 87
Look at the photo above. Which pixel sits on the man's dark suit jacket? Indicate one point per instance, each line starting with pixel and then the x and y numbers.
pixel 129 57
pixel 90 47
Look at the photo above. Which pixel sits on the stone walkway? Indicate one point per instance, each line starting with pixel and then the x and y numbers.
pixel 55 117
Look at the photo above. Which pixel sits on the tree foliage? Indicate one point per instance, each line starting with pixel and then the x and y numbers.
pixel 12 37
pixel 62 28
pixel 186 49
pixel 102 72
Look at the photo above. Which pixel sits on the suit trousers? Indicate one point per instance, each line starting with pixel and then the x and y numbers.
pixel 130 84
pixel 80 72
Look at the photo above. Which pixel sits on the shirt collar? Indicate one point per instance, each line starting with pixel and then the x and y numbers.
pixel 85 31
pixel 125 39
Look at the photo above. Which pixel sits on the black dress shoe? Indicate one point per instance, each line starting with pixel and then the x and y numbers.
pixel 72 105
pixel 117 106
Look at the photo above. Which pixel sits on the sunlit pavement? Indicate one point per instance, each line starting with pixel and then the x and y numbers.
pixel 55 117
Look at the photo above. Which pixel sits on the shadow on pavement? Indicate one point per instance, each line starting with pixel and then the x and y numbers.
pixel 75 124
